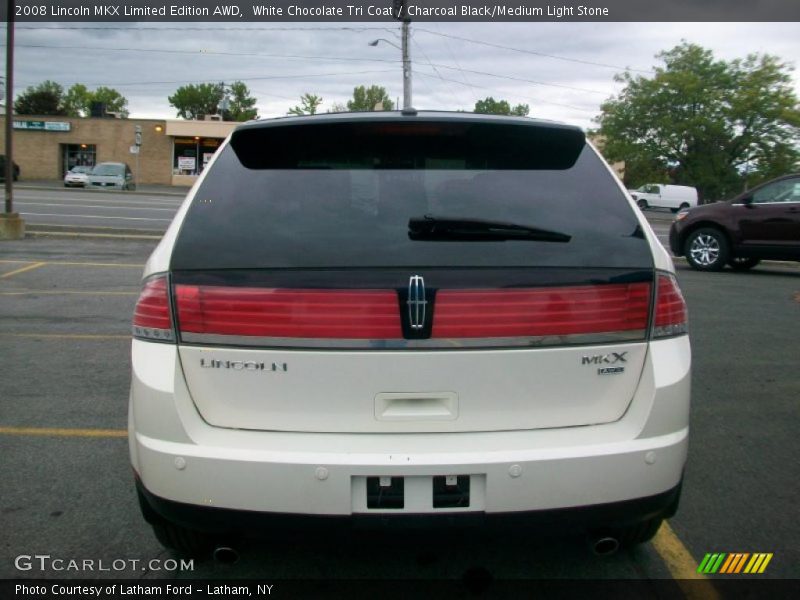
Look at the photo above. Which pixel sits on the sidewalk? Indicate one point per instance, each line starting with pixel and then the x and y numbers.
pixel 57 184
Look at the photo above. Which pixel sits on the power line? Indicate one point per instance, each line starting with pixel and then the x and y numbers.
pixel 208 52
pixel 535 101
pixel 533 52
pixel 306 57
pixel 231 78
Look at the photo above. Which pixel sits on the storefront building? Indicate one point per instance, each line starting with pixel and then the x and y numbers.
pixel 171 152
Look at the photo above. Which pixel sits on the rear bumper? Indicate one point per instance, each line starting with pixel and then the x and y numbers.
pixel 582 518
pixel 183 462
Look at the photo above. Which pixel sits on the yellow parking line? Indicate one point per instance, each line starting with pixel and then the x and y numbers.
pixel 77 264
pixel 61 292
pixel 23 269
pixel 61 432
pixel 682 565
pixel 67 336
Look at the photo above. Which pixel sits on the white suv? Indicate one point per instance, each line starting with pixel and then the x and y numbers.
pixel 384 316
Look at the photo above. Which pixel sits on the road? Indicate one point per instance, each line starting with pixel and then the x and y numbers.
pixel 65 307
pixel 141 213
pixel 94 211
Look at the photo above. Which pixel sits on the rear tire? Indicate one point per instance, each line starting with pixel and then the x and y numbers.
pixel 640 533
pixel 706 249
pixel 187 542
pixel 175 537
pixel 741 263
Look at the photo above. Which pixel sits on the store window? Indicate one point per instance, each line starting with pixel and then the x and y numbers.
pixel 191 155
pixel 73 155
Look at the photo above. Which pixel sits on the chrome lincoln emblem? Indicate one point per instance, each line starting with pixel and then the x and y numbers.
pixel 416 302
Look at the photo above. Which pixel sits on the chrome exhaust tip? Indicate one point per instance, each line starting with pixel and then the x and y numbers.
pixel 605 546
pixel 226 555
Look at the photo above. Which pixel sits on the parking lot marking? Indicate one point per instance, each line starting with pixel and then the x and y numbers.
pixel 23 269
pixel 67 336
pixel 79 264
pixel 682 565
pixel 60 292
pixel 64 216
pixel 104 206
pixel 125 236
pixel 62 432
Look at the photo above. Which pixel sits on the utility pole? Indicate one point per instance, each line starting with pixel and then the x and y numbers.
pixel 12 227
pixel 137 138
pixel 401 15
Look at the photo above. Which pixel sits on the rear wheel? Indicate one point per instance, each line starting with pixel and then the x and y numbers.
pixel 640 533
pixel 706 249
pixel 681 207
pixel 742 263
pixel 184 541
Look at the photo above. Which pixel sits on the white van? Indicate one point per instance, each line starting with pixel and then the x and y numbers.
pixel 659 195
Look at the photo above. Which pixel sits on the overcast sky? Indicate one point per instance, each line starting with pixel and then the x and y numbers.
pixel 281 61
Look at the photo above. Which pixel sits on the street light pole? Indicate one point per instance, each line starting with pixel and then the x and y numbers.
pixel 12 227
pixel 9 174
pixel 406 64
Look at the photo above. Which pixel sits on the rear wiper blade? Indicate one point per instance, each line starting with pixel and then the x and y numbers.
pixel 431 228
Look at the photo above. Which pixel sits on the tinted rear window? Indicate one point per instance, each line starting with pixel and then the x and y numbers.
pixel 273 200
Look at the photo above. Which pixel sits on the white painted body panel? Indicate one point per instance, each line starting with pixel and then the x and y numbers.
pixel 641 454
pixel 338 391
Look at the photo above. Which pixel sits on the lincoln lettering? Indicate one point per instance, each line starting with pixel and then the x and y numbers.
pixel 243 365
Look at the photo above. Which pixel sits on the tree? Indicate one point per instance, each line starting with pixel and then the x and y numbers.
pixel 194 101
pixel 365 99
pixel 43 99
pixel 241 106
pixel 308 105
pixel 490 106
pixel 78 100
pixel 113 100
pixel 705 122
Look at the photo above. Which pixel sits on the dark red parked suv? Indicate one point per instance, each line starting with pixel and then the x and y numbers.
pixel 763 223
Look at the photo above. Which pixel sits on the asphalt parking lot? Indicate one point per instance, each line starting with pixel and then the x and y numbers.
pixel 65 306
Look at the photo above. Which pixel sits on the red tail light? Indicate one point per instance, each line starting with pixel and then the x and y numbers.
pixel 542 312
pixel 346 314
pixel 671 317
pixel 151 317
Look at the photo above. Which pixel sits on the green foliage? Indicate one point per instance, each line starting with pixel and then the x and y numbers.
pixel 43 99
pixel 193 101
pixel 241 104
pixel 49 98
pixel 78 100
pixel 308 105
pixel 365 99
pixel 704 122
pixel 490 106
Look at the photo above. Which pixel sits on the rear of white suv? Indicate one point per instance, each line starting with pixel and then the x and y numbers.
pixel 391 316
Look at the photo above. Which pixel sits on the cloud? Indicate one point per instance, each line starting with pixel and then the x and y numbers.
pixel 562 70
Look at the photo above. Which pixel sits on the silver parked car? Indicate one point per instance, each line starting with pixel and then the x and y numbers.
pixel 77 176
pixel 112 175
